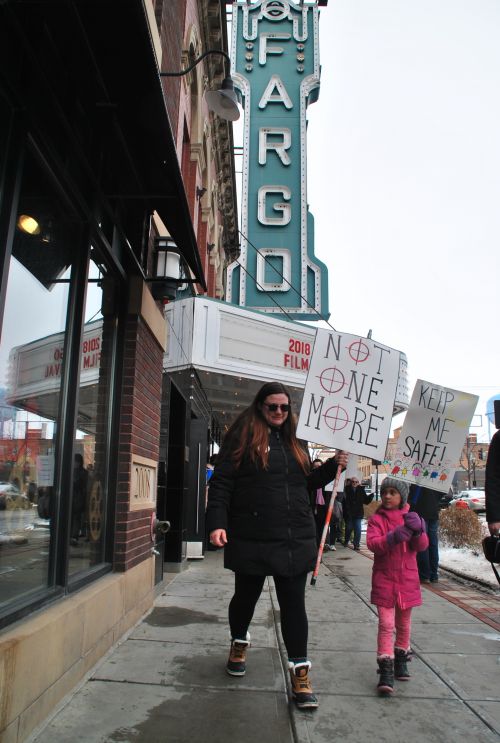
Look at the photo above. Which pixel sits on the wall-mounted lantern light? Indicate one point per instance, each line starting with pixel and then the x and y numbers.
pixel 223 102
pixel 169 272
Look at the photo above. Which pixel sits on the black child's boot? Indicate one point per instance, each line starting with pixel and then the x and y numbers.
pixel 401 658
pixel 386 670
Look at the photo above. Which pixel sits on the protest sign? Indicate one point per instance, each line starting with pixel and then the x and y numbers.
pixel 428 449
pixel 349 394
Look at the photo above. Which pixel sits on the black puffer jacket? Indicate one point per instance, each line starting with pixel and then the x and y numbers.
pixel 425 502
pixel 267 513
pixel 492 485
pixel 355 499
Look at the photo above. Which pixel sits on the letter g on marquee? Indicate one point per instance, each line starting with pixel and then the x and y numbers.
pixel 285 209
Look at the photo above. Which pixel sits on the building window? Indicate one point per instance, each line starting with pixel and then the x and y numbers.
pixel 91 446
pixel 57 369
pixel 31 374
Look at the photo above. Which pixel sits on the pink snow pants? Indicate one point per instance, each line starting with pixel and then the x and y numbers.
pixel 390 619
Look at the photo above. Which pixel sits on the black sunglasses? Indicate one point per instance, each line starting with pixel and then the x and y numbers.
pixel 273 407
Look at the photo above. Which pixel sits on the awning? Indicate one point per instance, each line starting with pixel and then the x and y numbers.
pixel 231 351
pixel 234 351
pixel 93 61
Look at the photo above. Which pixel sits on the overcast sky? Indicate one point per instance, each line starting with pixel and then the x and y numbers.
pixel 404 182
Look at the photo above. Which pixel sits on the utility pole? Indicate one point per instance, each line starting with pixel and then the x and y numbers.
pixel 471 441
pixel 376 463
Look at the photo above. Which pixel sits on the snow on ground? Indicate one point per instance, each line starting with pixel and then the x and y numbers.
pixel 465 562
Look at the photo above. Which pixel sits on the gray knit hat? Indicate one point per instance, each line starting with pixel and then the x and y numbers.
pixel 399 485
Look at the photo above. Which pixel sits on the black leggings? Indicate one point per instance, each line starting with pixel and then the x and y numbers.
pixel 291 599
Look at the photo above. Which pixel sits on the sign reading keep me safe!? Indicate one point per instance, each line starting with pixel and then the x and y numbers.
pixel 434 432
pixel 349 394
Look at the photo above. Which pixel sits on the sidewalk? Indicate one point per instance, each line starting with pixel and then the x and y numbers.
pixel 166 681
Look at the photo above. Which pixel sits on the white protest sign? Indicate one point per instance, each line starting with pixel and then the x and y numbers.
pixel 436 425
pixel 349 394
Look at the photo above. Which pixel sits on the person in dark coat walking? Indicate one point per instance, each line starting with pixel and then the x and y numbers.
pixel 79 498
pixel 320 501
pixel 492 485
pixel 355 499
pixel 259 510
pixel 426 502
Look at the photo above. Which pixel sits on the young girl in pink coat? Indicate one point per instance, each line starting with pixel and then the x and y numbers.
pixel 395 535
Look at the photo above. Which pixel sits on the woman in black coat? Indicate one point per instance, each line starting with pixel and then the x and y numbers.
pixel 259 510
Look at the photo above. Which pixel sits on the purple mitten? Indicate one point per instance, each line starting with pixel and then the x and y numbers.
pixel 400 534
pixel 414 522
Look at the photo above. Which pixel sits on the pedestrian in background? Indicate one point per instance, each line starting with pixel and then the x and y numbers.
pixel 426 503
pixel 395 535
pixel 259 509
pixel 355 498
pixel 320 500
pixel 79 498
pixel 337 516
pixel 492 485
pixel 343 523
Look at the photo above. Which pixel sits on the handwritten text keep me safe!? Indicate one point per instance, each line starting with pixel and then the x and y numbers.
pixel 357 386
pixel 431 450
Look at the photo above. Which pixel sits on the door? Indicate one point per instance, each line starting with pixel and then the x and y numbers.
pixel 196 501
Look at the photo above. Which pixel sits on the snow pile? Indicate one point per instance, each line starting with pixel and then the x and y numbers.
pixel 465 562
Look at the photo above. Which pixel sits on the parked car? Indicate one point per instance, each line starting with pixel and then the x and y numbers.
pixel 445 499
pixel 474 498
pixel 11 497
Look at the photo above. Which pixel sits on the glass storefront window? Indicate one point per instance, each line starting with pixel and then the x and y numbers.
pixel 31 363
pixel 90 487
pixel 40 493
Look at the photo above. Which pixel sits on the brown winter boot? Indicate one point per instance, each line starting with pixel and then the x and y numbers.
pixel 301 685
pixel 236 665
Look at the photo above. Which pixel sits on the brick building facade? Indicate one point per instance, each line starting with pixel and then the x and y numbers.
pixel 99 159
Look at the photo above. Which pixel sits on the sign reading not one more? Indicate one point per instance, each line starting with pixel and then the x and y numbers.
pixel 276 58
pixel 349 395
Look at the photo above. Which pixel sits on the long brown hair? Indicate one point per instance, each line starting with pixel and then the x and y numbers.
pixel 249 434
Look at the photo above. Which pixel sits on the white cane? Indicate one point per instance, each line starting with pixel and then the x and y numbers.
pixel 327 524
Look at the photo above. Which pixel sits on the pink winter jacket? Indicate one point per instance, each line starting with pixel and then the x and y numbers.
pixel 395 580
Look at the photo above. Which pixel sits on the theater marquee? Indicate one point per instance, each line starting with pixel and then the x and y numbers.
pixel 276 63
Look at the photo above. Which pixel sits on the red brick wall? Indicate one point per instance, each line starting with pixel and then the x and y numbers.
pixel 210 276
pixel 139 434
pixel 189 175
pixel 172 37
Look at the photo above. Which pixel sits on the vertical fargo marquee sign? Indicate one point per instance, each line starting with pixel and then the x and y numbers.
pixel 276 62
